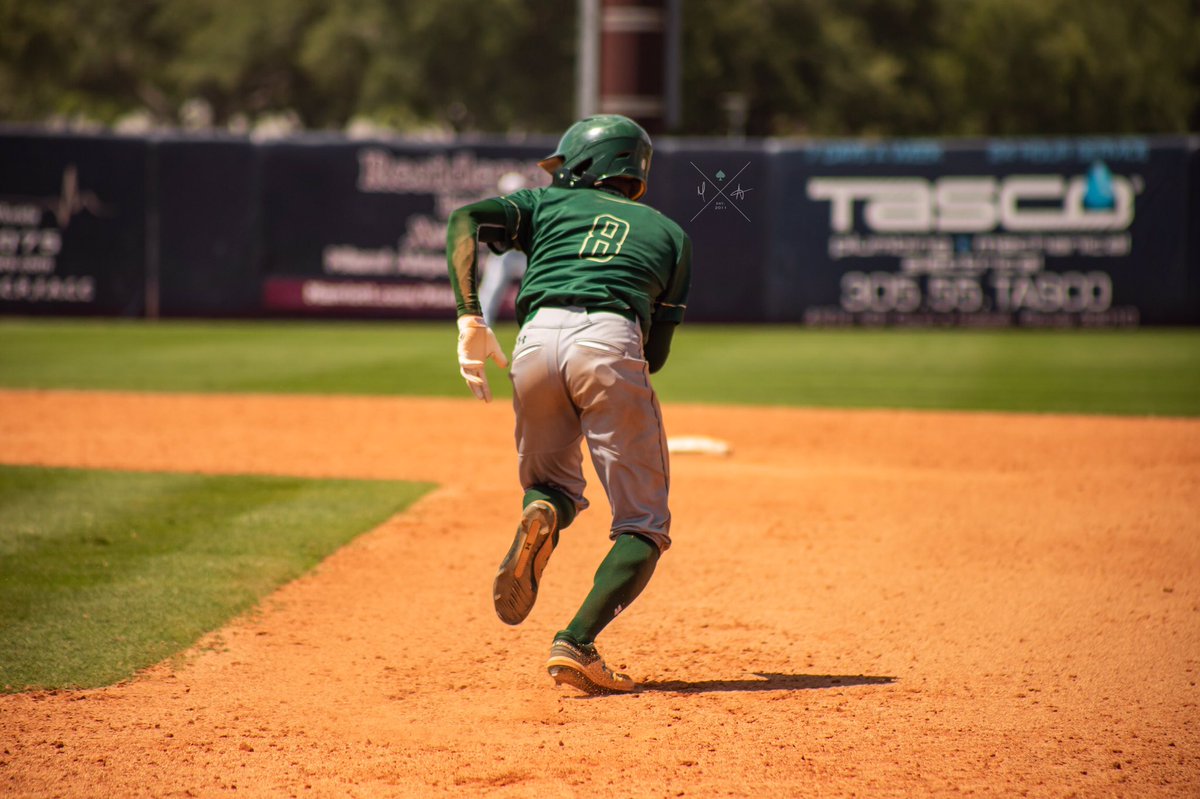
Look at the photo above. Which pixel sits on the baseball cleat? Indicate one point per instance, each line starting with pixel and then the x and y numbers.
pixel 516 586
pixel 582 667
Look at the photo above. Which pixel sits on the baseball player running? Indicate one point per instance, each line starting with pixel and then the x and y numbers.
pixel 606 284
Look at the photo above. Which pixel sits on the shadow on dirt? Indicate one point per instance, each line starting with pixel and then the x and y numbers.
pixel 767 682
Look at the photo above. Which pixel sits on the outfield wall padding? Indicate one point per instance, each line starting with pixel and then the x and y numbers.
pixel 73 226
pixel 721 197
pixel 1062 232
pixel 1193 229
pixel 207 254
pixel 358 228
pixel 1059 233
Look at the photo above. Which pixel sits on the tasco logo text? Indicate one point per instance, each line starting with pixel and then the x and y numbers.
pixel 976 204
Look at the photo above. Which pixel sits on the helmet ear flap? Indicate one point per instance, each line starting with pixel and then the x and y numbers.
pixel 576 176
pixel 562 176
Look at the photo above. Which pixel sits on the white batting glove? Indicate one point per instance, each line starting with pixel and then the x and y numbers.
pixel 477 343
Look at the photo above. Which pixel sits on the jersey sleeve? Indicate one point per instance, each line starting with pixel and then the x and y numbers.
pixel 671 304
pixel 519 207
pixel 497 220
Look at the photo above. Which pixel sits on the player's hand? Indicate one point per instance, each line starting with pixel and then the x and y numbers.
pixel 477 343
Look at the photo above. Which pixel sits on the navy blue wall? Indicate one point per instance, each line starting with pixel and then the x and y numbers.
pixel 1062 232
pixel 73 225
pixel 207 204
pixel 1005 232
pixel 1193 227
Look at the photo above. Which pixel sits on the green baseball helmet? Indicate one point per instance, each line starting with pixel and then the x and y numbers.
pixel 604 147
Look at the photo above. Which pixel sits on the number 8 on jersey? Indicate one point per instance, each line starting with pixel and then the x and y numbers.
pixel 605 239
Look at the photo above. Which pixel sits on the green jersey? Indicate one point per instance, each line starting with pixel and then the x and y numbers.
pixel 587 247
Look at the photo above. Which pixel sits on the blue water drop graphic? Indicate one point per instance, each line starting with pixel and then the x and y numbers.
pixel 1099 193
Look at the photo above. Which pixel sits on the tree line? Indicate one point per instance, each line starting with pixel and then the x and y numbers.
pixel 749 67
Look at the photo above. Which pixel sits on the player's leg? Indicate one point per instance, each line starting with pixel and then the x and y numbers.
pixel 621 419
pixel 549 466
pixel 622 575
pixel 549 462
pixel 622 422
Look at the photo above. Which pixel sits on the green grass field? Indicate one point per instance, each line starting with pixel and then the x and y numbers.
pixel 105 573
pixel 1148 372
pixel 102 573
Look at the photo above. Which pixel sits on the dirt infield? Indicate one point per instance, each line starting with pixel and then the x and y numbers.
pixel 867 604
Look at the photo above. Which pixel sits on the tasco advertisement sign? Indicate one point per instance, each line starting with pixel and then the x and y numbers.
pixel 1005 233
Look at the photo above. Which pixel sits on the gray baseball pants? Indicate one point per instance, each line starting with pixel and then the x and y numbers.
pixel 579 374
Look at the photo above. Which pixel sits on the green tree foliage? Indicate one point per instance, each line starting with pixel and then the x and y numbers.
pixel 455 63
pixel 1073 66
pixel 758 67
pixel 83 57
pixel 944 67
pixel 504 65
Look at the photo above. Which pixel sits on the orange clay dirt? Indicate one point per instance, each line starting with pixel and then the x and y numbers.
pixel 868 604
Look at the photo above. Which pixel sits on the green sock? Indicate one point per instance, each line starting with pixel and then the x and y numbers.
pixel 622 575
pixel 561 502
